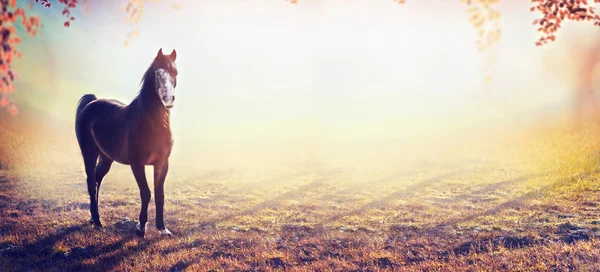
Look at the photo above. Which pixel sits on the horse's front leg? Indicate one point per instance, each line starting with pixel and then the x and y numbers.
pixel 145 194
pixel 160 173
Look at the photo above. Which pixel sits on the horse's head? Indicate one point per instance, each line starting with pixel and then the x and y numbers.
pixel 165 77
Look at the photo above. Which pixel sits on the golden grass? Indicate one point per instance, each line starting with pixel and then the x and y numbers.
pixel 527 202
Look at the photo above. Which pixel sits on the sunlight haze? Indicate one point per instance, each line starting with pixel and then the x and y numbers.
pixel 317 75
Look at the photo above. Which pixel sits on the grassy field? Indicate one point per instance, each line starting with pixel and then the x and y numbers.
pixel 527 202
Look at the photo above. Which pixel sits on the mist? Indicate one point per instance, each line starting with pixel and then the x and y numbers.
pixel 268 85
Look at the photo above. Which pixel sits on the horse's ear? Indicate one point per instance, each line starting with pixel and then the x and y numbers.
pixel 160 53
pixel 173 55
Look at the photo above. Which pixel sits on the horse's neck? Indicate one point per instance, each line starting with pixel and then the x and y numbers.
pixel 148 108
pixel 150 114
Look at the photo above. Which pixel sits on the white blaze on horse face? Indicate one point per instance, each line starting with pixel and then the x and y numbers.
pixel 165 88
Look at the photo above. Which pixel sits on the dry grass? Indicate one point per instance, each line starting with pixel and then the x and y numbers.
pixel 530 203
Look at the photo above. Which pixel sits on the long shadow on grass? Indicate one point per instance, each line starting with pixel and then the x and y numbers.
pixel 112 254
pixel 40 255
pixel 515 202
pixel 494 187
pixel 510 242
pixel 269 203
pixel 365 184
pixel 253 185
pixel 419 168
pixel 395 195
pixel 207 175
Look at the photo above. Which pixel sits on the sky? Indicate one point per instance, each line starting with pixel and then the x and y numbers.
pixel 331 71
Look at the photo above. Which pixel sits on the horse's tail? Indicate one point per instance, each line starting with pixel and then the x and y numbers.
pixel 85 99
pixel 79 127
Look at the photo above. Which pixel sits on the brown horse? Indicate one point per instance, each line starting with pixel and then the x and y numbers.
pixel 137 134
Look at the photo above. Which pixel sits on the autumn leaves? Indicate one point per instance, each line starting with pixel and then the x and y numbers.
pixel 555 12
pixel 10 14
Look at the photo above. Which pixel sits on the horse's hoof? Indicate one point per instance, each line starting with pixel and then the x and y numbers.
pixel 165 232
pixel 94 223
pixel 139 231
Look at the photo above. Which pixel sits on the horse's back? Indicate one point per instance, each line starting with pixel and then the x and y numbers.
pixel 105 122
pixel 100 110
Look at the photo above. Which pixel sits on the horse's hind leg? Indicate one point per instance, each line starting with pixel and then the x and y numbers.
pixel 104 164
pixel 90 157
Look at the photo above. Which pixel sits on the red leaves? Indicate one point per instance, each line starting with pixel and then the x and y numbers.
pixel 15 40
pixel 45 3
pixel 69 4
pixel 9 39
pixel 554 12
